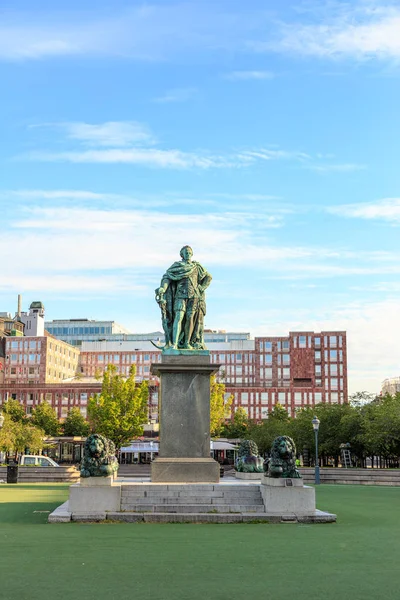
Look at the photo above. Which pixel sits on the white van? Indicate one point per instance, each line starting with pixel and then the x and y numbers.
pixel 32 460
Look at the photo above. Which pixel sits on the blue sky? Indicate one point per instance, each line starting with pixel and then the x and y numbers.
pixel 265 134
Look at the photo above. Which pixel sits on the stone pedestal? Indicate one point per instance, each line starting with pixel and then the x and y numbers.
pixel 94 495
pixel 248 476
pixel 184 411
pixel 287 496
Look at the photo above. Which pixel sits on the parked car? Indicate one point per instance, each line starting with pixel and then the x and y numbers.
pixel 36 461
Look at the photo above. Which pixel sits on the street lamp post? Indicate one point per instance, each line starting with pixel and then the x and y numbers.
pixel 315 423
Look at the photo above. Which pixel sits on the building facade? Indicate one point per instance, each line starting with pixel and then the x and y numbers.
pixel 301 369
pixel 391 386
pixel 38 360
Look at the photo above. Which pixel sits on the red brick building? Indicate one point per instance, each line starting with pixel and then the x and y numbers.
pixel 301 369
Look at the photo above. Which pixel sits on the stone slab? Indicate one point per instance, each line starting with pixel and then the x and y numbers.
pixel 168 353
pixel 89 517
pixel 96 481
pixel 282 481
pixel 184 470
pixel 97 499
pixel 61 514
pixel 288 500
pixel 248 476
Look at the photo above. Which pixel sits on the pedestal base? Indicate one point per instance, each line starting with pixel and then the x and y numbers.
pixel 184 470
pixel 94 495
pixel 282 497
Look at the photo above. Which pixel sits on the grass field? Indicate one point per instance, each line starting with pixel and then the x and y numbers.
pixel 358 558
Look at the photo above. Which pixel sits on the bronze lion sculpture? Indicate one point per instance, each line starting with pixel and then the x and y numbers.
pixel 98 457
pixel 248 460
pixel 282 462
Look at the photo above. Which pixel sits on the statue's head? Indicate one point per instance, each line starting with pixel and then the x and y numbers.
pixel 186 252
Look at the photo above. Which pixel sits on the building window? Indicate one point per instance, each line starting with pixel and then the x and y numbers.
pixel 264 397
pixel 286 373
pixel 116 358
pixel 317 355
pixel 332 341
pixel 318 369
pixel 334 397
pixel 333 355
pixel 268 346
pixel 302 341
pixel 100 358
pixel 317 342
pixel 268 359
pixel 281 397
pixel 13 358
pixel 268 373
pixel 333 369
pixel 286 359
pixel 334 383
pixel 244 397
pixel 318 383
pixel 32 357
pixel 318 397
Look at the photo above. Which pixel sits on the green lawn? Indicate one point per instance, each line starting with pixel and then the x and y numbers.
pixel 357 558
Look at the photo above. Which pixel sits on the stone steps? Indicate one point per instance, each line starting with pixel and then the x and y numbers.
pixel 194 508
pixel 188 517
pixel 194 499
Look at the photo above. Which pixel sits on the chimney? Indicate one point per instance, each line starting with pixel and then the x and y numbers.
pixel 19 305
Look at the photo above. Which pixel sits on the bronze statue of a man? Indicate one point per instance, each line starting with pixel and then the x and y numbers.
pixel 182 301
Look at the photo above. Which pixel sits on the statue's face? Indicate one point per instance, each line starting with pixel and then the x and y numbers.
pixel 186 253
pixel 284 448
pixel 96 447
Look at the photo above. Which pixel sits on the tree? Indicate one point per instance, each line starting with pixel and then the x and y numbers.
pixel 45 417
pixel 263 434
pixel 98 374
pixel 18 436
pixel 237 428
pixel 220 404
pixel 14 409
pixel 121 408
pixel 75 423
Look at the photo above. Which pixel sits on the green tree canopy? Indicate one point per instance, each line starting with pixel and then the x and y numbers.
pixel 220 404
pixel 44 416
pixel 75 423
pixel 121 409
pixel 238 426
pixel 18 436
pixel 14 409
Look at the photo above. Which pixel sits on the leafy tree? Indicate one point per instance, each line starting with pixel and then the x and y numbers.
pixel 121 408
pixel 98 374
pixel 238 427
pixel 219 406
pixel 381 427
pixel 17 436
pixel 361 398
pixel 75 423
pixel 14 409
pixel 44 416
pixel 278 423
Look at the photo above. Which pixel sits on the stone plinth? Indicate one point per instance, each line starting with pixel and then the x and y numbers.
pixel 184 450
pixel 94 495
pixel 287 496
pixel 248 476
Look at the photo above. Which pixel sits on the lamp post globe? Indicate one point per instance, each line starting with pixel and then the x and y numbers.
pixel 315 423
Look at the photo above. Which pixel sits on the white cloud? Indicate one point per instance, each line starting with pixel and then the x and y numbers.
pixel 176 95
pixel 355 30
pixel 110 134
pixel 335 168
pixel 387 209
pixel 248 75
pixel 150 157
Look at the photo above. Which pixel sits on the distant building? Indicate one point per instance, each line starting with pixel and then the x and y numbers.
pixel 302 369
pixel 391 386
pixel 33 320
pixel 78 331
pixel 38 360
